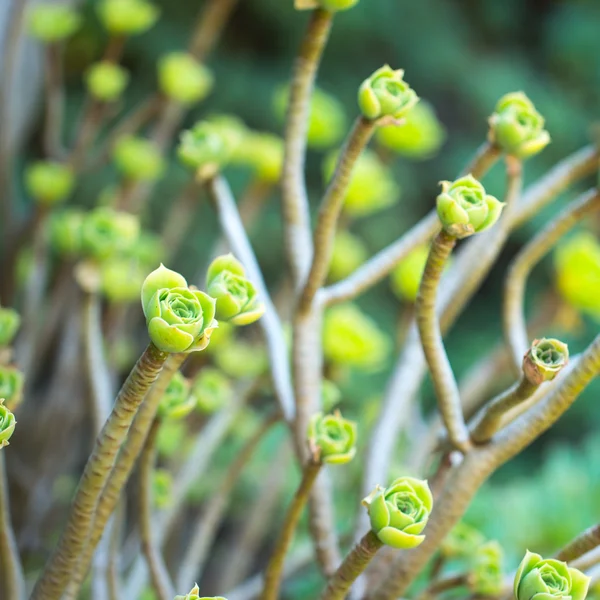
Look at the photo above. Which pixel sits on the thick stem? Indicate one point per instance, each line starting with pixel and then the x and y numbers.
pixel 587 540
pixel 515 328
pixel 13 580
pixel 161 582
pixel 296 214
pixel 274 570
pixel 444 382
pixel 63 561
pixel 354 564
pixel 331 207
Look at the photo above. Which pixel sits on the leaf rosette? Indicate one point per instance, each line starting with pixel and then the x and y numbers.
pixel 485 577
pixel 10 321
pixel 11 386
pixel 333 437
pixel 7 424
pixel 400 512
pixel 545 359
pixel 177 401
pixel 195 595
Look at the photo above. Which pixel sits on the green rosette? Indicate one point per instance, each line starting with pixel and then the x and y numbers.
pixel 333 437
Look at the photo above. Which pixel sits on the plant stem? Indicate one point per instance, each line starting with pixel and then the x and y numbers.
pixel 354 564
pixel 485 158
pixel 214 17
pixel 296 213
pixel 274 570
pixel 446 388
pixel 161 582
pixel 204 533
pixel 587 540
pixel 491 419
pixel 515 328
pixel 63 561
pixel 55 101
pixel 180 217
pixel 13 581
pixel 123 467
pixel 331 207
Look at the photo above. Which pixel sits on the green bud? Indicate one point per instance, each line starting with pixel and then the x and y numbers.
pixel 127 17
pixel 11 386
pixel 237 298
pixel 162 488
pixel 349 252
pixel 7 424
pixel 517 128
pixel 206 148
pixel 331 395
pixel 9 325
pixel 121 279
pixel 138 159
pixel 179 319
pixel 464 208
pixel 462 542
pixel 545 579
pixel 399 513
pixel 106 232
pixel 241 359
pixel 195 595
pixel 485 576
pixel 333 438
pixel 327 122
pixel 177 402
pixel 577 272
pixel 48 182
pixel 171 437
pixel 65 231
pixel 544 360
pixel 386 94
pixel 53 22
pixel 211 390
pixel 419 136
pixel 352 338
pixel 372 186
pixel 183 79
pixel 106 80
pixel 406 277
pixel 263 152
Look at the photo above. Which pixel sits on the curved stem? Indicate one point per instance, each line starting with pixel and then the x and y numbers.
pixel 354 564
pixel 587 540
pixel 444 382
pixel 515 329
pixel 159 575
pixel 63 561
pixel 485 158
pixel 331 207
pixel 13 581
pixel 204 533
pixel 296 214
pixel 274 569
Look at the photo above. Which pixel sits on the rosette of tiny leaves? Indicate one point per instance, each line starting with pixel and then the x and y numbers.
pixel 577 272
pixel 172 438
pixel 331 395
pixel 237 299
pixel 386 94
pixel 517 128
pixel 230 127
pixel 106 80
pixel 263 153
pixel 211 390
pixel 177 402
pixel 419 136
pixel 53 22
pixel 462 541
pixel 545 579
pixel 121 279
pixel 333 437
pixel 399 513
pixel 65 231
pixel 138 159
pixel 327 122
pixel 485 575
pixel 464 208
pixel 206 148
pixel 162 486
pixel 106 232
pixel 127 17
pixel 544 360
pixel 11 386
pixel 7 424
pixel 49 182
pixel 349 252
pixel 372 185
pixel 353 339
pixel 179 319
pixel 10 321
pixel 241 359
pixel 195 595
pixel 183 79
pixel 406 277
